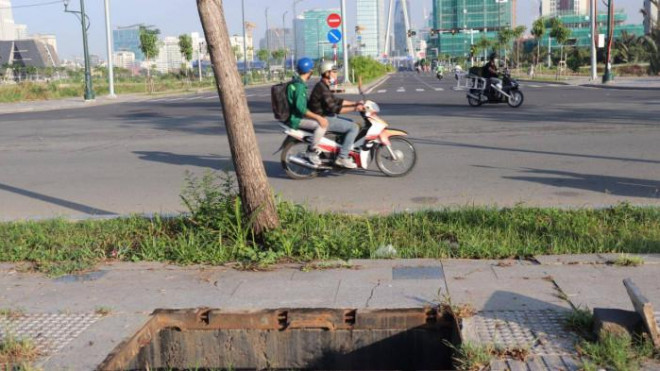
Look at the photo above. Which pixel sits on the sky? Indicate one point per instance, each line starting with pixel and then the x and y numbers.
pixel 176 17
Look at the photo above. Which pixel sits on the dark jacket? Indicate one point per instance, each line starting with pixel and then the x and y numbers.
pixel 487 70
pixel 323 102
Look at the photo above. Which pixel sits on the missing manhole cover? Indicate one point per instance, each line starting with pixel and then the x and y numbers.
pixel 331 339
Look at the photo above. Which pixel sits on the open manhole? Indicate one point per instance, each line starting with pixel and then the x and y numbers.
pixel 290 339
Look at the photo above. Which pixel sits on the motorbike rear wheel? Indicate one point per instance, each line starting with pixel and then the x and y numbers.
pixel 474 102
pixel 406 157
pixel 297 149
pixel 516 99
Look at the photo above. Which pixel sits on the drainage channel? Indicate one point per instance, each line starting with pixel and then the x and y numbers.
pixel 290 339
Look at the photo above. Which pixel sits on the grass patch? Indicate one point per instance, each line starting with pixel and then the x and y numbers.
pixel 616 352
pixel 12 313
pixel 476 357
pixel 625 260
pixel 216 231
pixel 17 353
pixel 103 311
pixel 580 320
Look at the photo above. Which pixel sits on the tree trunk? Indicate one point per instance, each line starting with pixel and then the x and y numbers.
pixel 256 194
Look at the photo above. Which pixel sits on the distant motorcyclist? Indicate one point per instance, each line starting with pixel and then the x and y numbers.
pixel 490 73
pixel 440 71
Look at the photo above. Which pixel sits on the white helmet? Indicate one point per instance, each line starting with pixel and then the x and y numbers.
pixel 326 67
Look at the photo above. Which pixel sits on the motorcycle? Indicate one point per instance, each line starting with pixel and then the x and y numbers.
pixel 439 75
pixel 394 155
pixel 508 92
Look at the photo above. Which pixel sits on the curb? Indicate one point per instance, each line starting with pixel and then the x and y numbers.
pixel 548 82
pixel 621 87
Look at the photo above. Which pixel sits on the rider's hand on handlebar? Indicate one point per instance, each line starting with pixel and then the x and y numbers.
pixel 359 106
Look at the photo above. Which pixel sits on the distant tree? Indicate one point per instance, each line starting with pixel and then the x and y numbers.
pixel 538 30
pixel 561 34
pixel 186 47
pixel 517 33
pixel 263 55
pixel 238 54
pixel 279 55
pixel 504 37
pixel 483 44
pixel 149 46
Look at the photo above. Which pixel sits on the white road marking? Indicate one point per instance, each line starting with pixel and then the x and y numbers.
pixel 382 91
pixel 419 89
pixel 212 97
pixel 379 84
pixel 439 89
pixel 401 90
pixel 175 99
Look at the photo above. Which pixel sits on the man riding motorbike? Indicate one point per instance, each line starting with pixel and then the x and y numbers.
pixel 322 102
pixel 490 73
pixel 301 117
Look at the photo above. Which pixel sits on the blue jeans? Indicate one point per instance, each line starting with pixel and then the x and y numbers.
pixel 346 127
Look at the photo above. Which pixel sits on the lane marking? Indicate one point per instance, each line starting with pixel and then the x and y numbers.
pixel 401 90
pixel 379 84
pixel 419 89
pixel 439 89
pixel 382 91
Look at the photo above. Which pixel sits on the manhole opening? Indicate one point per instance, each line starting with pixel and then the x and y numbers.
pixel 290 339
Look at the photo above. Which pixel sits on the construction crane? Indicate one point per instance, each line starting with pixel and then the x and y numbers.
pixel 249 26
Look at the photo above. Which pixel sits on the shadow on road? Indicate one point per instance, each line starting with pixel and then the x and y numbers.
pixel 56 201
pixel 618 186
pixel 520 150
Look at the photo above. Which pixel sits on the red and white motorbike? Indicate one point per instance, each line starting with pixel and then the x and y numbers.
pixel 394 155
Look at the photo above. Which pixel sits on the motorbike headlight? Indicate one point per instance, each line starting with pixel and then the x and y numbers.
pixel 372 106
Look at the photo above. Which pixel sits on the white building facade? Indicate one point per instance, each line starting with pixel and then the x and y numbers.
pixel 552 8
pixel 7 27
pixel 123 59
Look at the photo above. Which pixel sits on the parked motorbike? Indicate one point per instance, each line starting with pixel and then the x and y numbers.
pixel 508 92
pixel 394 155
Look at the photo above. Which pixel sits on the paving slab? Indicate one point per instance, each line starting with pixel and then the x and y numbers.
pixel 487 286
pixel 602 286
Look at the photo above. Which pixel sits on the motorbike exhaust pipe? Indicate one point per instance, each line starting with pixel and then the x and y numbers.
pixel 302 162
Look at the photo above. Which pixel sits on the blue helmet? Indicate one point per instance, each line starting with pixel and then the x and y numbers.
pixel 304 65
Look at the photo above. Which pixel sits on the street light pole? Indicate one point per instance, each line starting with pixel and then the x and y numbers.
pixel 89 92
pixel 244 44
pixel 607 77
pixel 284 41
pixel 199 60
pixel 267 44
pixel 344 40
pixel 294 50
pixel 108 38
pixel 594 38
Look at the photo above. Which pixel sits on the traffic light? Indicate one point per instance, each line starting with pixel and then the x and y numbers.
pixel 411 33
pixel 473 50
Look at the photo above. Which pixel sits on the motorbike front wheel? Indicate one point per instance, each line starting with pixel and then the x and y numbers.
pixel 298 150
pixel 439 76
pixel 516 99
pixel 399 161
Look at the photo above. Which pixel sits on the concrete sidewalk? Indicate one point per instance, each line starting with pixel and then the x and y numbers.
pixel 620 83
pixel 517 303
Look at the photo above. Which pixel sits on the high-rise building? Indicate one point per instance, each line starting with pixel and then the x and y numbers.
pixel 651 17
pixel 123 59
pixel 462 22
pixel 371 20
pixel 553 8
pixel 127 39
pixel 400 32
pixel 169 55
pixel 7 27
pixel 312 35
pixel 237 42
pixel 278 37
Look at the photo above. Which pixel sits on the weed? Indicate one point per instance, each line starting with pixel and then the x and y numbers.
pixel 625 260
pixel 471 357
pixel 327 265
pixel 103 311
pixel 12 313
pixel 615 351
pixel 17 352
pixel 580 320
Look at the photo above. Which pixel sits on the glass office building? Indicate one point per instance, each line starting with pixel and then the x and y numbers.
pixel 371 19
pixel 127 39
pixel 312 35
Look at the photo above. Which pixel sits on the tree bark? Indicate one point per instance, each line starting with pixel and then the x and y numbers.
pixel 256 194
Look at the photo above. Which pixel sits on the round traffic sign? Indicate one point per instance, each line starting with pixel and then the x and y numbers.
pixel 334 36
pixel 334 20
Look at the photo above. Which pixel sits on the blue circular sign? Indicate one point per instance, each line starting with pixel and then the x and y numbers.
pixel 334 36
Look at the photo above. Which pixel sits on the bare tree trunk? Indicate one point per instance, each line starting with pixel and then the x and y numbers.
pixel 256 194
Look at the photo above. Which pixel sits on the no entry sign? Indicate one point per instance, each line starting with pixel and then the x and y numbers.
pixel 334 20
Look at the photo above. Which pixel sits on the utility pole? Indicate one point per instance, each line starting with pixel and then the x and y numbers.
pixel 267 44
pixel 594 39
pixel 294 50
pixel 108 40
pixel 344 41
pixel 549 51
pixel 284 41
pixel 89 91
pixel 199 60
pixel 607 77
pixel 245 80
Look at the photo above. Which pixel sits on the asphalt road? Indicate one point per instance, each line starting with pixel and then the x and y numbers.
pixel 566 146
